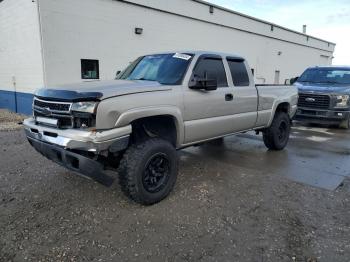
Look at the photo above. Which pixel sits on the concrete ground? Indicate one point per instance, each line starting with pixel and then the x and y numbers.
pixel 233 201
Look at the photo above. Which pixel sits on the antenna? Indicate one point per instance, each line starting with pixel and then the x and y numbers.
pixel 304 29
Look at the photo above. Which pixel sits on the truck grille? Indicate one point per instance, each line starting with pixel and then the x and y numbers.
pixel 53 106
pixel 314 101
pixel 54 110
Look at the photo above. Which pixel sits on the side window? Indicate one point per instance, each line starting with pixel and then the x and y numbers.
pixel 239 72
pixel 89 69
pixel 214 66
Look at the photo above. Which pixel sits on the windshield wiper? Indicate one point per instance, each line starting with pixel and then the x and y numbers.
pixel 306 81
pixel 330 82
pixel 144 79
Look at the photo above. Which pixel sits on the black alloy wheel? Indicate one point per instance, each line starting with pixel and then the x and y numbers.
pixel 156 174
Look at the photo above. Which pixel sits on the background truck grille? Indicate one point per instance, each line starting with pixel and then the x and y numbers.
pixel 314 101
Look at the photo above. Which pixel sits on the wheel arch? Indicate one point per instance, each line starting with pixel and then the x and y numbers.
pixel 164 119
pixel 281 106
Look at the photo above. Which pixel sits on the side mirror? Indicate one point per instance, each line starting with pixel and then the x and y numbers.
pixel 287 82
pixel 209 82
pixel 293 80
pixel 117 74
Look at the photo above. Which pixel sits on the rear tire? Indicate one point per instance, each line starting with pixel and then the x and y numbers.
pixel 276 137
pixel 148 171
pixel 345 124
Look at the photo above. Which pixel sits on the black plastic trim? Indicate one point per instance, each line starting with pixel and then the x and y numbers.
pixel 66 95
pixel 75 162
pixel 235 59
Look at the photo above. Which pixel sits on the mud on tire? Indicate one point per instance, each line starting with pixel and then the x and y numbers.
pixel 148 171
pixel 276 137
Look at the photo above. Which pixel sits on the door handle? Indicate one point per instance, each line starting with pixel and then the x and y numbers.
pixel 228 97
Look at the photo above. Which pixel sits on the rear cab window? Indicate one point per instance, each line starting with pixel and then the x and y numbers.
pixel 238 71
pixel 213 65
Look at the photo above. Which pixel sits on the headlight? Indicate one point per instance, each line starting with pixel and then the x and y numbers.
pixel 342 100
pixel 85 107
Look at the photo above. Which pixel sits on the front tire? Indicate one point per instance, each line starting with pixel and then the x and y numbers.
pixel 276 137
pixel 148 171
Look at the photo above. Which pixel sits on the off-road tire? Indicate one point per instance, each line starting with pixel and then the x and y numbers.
pixel 345 124
pixel 276 137
pixel 134 165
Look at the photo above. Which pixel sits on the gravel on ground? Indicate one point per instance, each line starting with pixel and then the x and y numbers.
pixel 233 201
pixel 10 120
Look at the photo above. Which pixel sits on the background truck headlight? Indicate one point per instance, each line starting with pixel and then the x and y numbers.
pixel 84 107
pixel 342 101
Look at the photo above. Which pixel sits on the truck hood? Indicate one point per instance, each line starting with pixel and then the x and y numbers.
pixel 323 88
pixel 98 90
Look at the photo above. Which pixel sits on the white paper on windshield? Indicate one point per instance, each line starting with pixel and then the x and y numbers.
pixel 182 56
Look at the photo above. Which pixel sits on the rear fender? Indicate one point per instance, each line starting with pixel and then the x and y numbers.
pixel 276 105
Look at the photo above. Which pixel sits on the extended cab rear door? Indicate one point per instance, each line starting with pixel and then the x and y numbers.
pixel 245 94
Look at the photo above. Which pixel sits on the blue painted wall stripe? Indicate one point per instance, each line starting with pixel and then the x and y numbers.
pixel 16 101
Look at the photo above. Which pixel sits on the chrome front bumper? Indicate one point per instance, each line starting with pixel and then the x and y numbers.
pixel 114 140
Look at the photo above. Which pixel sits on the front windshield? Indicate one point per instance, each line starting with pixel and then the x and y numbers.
pixel 167 69
pixel 323 75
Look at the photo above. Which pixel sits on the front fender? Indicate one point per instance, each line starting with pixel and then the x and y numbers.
pixel 131 115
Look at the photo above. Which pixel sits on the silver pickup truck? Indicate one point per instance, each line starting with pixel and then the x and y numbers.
pixel 159 104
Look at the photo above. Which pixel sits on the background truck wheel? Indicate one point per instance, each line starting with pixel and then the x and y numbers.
pixel 345 124
pixel 148 171
pixel 276 137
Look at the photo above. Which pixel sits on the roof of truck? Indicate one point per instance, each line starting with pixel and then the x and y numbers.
pixel 200 52
pixel 331 67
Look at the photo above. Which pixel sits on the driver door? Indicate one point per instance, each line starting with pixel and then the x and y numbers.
pixel 208 114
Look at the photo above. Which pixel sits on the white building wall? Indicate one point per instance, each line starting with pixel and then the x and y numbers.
pixel 199 9
pixel 21 67
pixel 104 30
